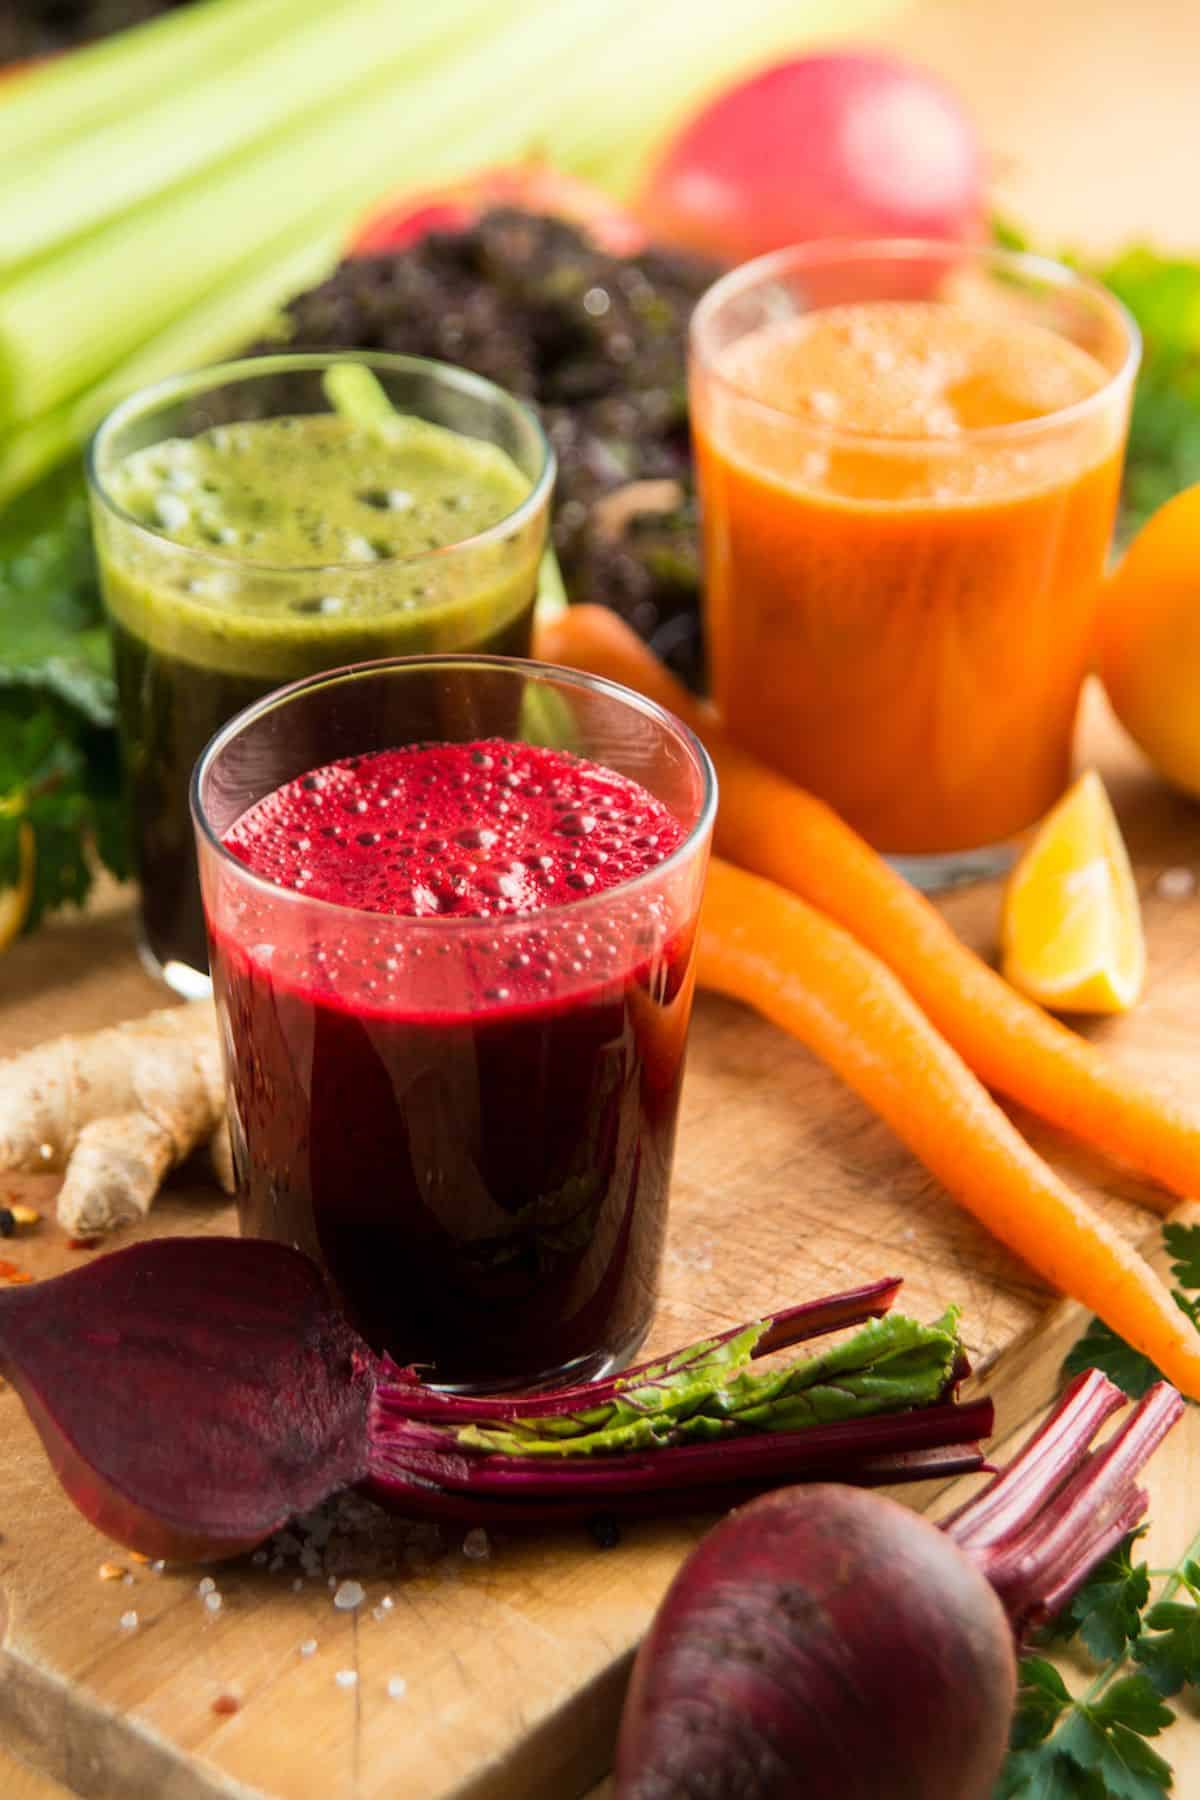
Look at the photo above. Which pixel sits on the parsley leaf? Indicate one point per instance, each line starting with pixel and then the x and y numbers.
pixel 1100 1348
pixel 1106 1611
pixel 1042 1698
pixel 59 776
pixel 1183 1247
pixel 1116 1753
pixel 1067 1749
pixel 1169 1649
pixel 1163 294
pixel 1133 1704
pixel 1045 1774
pixel 1065 1746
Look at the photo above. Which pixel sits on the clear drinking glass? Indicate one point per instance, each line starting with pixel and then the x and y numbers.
pixel 900 618
pixel 481 1165
pixel 199 632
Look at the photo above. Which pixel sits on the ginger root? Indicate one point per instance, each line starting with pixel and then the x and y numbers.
pixel 117 1109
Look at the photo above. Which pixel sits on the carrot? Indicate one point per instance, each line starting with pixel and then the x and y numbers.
pixel 769 825
pixel 762 945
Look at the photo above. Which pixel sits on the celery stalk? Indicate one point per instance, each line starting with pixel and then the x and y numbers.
pixel 81 182
pixel 70 95
pixel 147 267
pixel 186 276
pixel 225 320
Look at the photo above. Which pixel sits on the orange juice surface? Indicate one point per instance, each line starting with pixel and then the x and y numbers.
pixel 899 594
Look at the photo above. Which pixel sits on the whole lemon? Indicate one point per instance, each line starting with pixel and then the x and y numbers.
pixel 1149 639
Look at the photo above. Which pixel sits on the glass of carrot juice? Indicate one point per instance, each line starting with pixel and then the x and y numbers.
pixel 909 456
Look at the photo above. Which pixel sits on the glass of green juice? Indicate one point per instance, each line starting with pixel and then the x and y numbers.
pixel 272 518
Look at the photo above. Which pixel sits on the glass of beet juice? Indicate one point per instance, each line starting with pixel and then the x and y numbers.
pixel 451 906
pixel 271 518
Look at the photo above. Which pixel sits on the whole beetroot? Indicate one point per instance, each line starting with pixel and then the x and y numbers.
pixel 827 1642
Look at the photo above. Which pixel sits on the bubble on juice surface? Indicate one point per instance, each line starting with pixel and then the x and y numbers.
pixel 481 834
pixel 912 370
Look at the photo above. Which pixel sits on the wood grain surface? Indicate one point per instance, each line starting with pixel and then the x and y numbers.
pixel 785 1186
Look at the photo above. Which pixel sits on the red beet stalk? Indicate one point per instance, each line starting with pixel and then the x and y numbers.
pixel 403 1391
pixel 194 1394
pixel 1047 1519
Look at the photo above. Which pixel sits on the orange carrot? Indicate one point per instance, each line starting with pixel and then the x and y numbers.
pixel 762 945
pixel 767 824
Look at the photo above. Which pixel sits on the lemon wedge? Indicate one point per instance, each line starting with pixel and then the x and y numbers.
pixel 15 901
pixel 1072 928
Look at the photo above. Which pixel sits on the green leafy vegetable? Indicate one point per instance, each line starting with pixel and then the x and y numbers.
pixel 58 758
pixel 1163 294
pixel 1042 1698
pixel 1100 1348
pixel 1106 1612
pixel 1092 1746
pixel 1183 1247
pixel 1169 1647
pixel 709 1392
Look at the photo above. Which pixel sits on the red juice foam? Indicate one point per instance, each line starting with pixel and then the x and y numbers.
pixel 470 1127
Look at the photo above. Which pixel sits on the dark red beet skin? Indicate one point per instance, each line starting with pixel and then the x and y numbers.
pixel 822 1642
pixel 193 1393
pixel 190 1458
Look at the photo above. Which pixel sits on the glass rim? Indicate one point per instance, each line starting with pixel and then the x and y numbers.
pixel 459 924
pixel 190 382
pixel 824 251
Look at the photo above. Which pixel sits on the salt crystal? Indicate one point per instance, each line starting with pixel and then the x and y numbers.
pixel 347 1678
pixel 213 1602
pixel 1175 884
pixel 129 1621
pixel 206 1586
pixel 476 1545
pixel 397 1687
pixel 387 1603
pixel 127 1580
pixel 349 1595
pixel 309 1647
pixel 158 1567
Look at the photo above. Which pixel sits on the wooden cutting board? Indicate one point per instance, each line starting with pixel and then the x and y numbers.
pixel 785 1187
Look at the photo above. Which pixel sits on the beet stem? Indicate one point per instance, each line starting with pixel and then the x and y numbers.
pixel 1022 1488
pixel 1052 1550
pixel 1058 1588
pixel 424 1499
pixel 1040 1527
pixel 424 1451
pixel 402 1392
